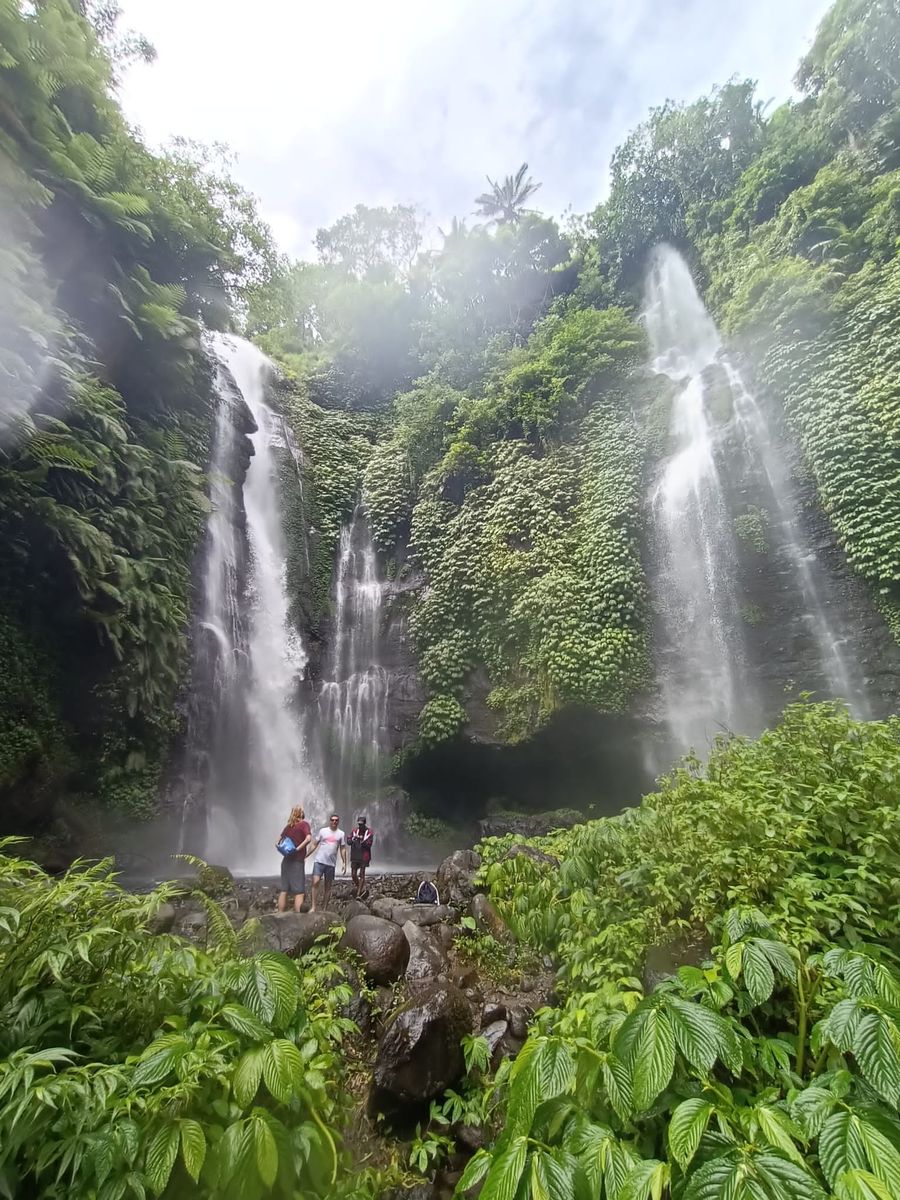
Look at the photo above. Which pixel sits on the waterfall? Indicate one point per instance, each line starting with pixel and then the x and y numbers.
pixel 353 695
pixel 259 766
pixel 704 682
pixel 708 682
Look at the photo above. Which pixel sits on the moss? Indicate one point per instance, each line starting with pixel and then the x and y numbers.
pixel 752 528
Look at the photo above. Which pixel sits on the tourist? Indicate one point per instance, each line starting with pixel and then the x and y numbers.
pixel 329 840
pixel 293 864
pixel 360 855
pixel 427 893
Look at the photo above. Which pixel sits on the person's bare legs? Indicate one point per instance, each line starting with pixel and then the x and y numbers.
pixel 361 889
pixel 282 901
pixel 328 886
pixel 317 879
pixel 298 901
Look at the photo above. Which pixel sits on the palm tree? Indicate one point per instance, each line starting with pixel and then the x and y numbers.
pixel 505 202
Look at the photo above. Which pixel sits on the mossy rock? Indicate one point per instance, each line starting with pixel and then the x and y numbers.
pixel 215 881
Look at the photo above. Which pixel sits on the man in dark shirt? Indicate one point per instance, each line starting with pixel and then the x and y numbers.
pixel 293 865
pixel 360 855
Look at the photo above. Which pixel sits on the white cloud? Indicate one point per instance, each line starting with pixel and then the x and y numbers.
pixel 409 101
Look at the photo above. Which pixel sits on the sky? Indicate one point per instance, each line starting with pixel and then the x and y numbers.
pixel 330 104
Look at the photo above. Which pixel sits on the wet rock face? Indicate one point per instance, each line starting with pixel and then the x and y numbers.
pixel 487 918
pixel 455 877
pixel 295 933
pixel 406 691
pixel 427 957
pixel 380 944
pixel 420 1054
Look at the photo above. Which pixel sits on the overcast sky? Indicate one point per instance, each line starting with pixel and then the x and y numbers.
pixel 328 104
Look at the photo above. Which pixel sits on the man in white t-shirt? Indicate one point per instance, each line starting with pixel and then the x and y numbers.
pixel 325 848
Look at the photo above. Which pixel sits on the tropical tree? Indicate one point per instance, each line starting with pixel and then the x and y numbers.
pixel 505 202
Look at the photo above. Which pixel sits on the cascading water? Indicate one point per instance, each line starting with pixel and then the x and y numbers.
pixel 353 697
pixel 259 766
pixel 704 684
pixel 707 681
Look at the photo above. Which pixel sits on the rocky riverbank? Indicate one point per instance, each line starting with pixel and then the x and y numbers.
pixel 420 977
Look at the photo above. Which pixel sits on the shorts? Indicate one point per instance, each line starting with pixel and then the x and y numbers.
pixel 324 870
pixel 293 876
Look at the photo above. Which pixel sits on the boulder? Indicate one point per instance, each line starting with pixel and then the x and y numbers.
pixel 420 1054
pixel 529 825
pixel 487 918
pixel 215 881
pixel 426 956
pixel 162 920
pixel 493 1034
pixel 383 907
pixel 455 877
pixel 295 933
pixel 422 914
pixel 356 908
pixel 520 850
pixel 192 925
pixel 446 934
pixel 381 946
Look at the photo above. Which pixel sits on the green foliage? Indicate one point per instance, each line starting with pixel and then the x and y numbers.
pixel 418 825
pixel 773 1067
pixel 336 447
pixel 110 254
pixel 139 1064
pixel 752 527
pixel 527 531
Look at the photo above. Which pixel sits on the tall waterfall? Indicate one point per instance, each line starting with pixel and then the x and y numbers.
pixel 259 764
pixel 708 682
pixel 353 696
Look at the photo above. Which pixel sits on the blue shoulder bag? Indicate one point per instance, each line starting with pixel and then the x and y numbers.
pixel 286 845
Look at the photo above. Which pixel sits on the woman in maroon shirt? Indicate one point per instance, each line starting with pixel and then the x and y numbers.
pixel 293 865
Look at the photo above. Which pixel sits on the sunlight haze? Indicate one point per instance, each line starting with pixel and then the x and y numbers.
pixel 327 106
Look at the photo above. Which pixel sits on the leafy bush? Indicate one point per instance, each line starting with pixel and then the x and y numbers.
pixel 773 1068
pixel 135 1065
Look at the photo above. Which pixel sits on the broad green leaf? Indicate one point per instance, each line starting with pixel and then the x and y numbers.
pixel 540 1189
pixel 811 1108
pixel 247 1074
pixel 686 1127
pixel 502 1180
pixel 159 1059
pixel 646 1181
pixel 780 957
pixel 276 989
pixel 734 958
pixel 883 1156
pixel 239 1018
pixel 759 977
pixel 266 1152
pixel 875 1049
pixel 841 1146
pixel 617 1080
pixel 282 1069
pixel 717 1180
pixel 653 1059
pixel 525 1087
pixel 842 1022
pixel 701 1035
pixel 160 1157
pixel 779 1131
pixel 861 1185
pixel 193 1147
pixel 476 1169
pixel 783 1177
